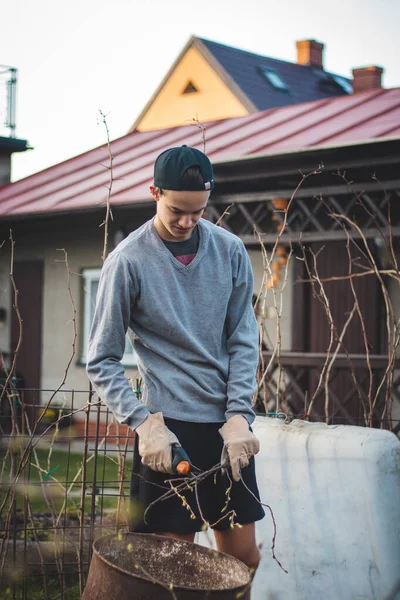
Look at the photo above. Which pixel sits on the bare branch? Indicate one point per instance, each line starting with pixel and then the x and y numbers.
pixel 109 188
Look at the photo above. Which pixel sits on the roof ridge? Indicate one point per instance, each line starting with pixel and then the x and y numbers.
pixel 246 51
pixel 264 56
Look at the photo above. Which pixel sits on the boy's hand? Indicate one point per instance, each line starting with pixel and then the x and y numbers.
pixel 155 443
pixel 239 444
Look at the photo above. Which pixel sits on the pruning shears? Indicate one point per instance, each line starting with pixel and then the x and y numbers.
pixel 181 463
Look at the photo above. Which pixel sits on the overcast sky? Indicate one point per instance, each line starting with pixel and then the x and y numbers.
pixel 76 57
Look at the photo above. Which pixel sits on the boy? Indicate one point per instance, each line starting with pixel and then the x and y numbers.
pixel 182 288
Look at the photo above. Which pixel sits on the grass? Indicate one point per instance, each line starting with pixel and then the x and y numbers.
pixel 34 589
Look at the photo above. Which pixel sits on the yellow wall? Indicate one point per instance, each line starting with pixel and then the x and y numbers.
pixel 214 100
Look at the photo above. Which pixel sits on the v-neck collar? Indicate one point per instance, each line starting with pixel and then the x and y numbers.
pixel 203 235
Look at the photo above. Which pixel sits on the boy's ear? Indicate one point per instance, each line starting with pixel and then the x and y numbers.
pixel 155 192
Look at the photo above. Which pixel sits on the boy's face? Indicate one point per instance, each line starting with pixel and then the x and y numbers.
pixel 178 212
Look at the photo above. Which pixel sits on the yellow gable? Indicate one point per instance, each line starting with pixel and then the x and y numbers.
pixel 193 90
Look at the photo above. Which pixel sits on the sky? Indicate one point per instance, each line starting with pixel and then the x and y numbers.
pixel 78 57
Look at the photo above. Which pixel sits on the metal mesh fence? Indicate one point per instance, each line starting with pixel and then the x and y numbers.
pixel 65 477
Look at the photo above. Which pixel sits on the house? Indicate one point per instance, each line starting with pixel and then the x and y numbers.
pixel 212 81
pixel 55 217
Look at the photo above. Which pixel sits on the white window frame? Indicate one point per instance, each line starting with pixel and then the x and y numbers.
pixel 90 276
pixel 274 79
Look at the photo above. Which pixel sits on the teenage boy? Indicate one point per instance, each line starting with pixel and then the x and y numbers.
pixel 182 289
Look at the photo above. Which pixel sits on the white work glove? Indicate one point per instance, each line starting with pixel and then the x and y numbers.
pixel 155 443
pixel 239 444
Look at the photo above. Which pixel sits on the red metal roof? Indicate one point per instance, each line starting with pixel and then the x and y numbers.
pixel 79 183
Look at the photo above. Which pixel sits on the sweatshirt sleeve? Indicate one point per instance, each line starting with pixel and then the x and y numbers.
pixel 115 297
pixel 242 339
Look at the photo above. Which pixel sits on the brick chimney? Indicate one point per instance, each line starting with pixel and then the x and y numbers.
pixel 367 78
pixel 309 52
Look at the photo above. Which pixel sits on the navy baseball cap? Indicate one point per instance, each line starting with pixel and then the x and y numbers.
pixel 171 165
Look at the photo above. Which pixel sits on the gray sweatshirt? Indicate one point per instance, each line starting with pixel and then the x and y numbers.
pixel 193 328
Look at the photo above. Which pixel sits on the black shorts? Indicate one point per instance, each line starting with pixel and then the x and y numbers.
pixel 221 502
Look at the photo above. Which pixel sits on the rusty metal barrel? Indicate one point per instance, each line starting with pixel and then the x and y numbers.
pixel 131 566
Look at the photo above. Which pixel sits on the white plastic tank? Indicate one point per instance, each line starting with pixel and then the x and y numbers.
pixel 335 495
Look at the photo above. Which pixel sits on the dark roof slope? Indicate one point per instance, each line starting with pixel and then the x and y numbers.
pixel 304 83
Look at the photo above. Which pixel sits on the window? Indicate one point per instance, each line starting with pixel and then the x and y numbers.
pixel 190 88
pixel 332 82
pixel 91 283
pixel 274 79
pixel 343 83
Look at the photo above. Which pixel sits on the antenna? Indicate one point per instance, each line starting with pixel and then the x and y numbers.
pixel 8 100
